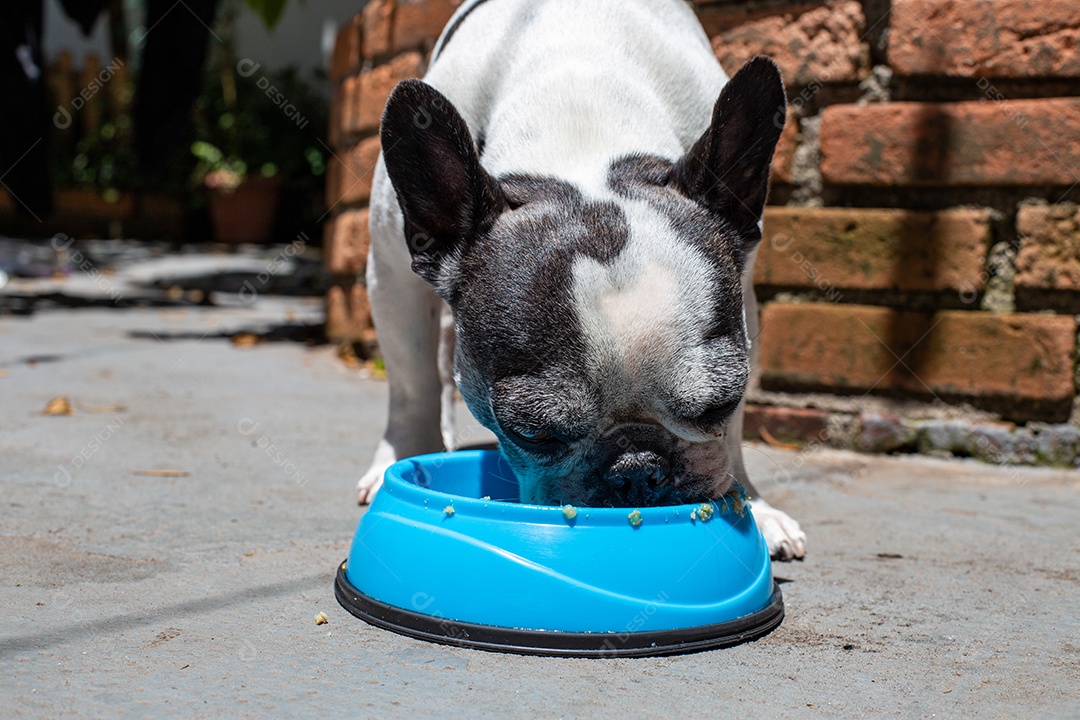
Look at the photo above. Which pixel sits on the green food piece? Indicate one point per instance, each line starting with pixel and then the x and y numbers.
pixel 740 503
pixel 448 511
pixel 693 515
pixel 569 512
pixel 705 512
pixel 634 518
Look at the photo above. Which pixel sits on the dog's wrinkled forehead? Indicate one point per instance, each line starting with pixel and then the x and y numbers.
pixel 631 284
pixel 644 310
pixel 515 304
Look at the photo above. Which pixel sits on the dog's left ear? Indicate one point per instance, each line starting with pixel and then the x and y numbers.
pixel 445 195
pixel 727 169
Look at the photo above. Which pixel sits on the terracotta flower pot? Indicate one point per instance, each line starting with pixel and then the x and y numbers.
pixel 245 214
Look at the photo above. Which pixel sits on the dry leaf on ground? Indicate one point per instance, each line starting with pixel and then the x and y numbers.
pixel 771 441
pixel 58 406
pixel 245 339
pixel 347 354
pixel 103 408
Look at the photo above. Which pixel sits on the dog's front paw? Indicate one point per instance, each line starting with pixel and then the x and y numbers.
pixel 372 480
pixel 369 484
pixel 785 538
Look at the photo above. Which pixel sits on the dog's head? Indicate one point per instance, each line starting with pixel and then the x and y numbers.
pixel 601 339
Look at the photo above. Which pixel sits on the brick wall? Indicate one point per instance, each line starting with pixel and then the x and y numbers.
pixel 920 268
pixel 386 42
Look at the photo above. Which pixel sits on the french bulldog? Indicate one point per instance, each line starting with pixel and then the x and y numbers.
pixel 563 224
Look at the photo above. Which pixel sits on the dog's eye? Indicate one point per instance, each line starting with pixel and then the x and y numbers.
pixel 718 415
pixel 535 436
pixel 532 438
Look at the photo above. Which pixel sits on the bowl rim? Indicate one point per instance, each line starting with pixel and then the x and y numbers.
pixel 558 643
pixel 727 507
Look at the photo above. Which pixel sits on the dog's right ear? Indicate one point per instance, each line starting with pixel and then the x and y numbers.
pixel 727 169
pixel 445 196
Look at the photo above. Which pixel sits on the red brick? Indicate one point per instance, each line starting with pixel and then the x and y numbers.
pixel 350 173
pixel 1020 364
pixel 859 249
pixel 815 42
pixel 783 161
pixel 333 135
pixel 348 315
pixel 375 87
pixel 1049 257
pixel 348 96
pixel 333 180
pixel 346 242
pixel 378 18
pixel 348 48
pixel 1008 143
pixel 801 424
pixel 418 22
pixel 988 38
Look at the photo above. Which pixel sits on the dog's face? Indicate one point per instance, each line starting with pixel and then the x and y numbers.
pixel 601 339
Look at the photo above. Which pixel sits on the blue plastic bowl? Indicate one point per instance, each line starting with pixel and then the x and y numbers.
pixel 446 553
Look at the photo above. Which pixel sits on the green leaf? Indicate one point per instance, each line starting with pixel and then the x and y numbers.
pixel 205 151
pixel 269 11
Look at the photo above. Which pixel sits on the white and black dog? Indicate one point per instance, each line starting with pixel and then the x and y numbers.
pixel 559 229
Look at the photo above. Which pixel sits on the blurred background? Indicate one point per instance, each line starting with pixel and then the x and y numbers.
pixel 128 118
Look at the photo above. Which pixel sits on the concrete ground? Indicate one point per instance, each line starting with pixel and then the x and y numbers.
pixel 166 547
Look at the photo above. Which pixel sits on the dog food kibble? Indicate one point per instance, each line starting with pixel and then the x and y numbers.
pixel 321 619
pixel 704 512
pixel 634 518
pixel 569 512
pixel 448 511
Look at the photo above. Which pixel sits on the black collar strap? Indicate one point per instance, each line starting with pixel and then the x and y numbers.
pixel 451 28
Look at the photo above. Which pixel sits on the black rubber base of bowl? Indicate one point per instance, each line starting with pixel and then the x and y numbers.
pixel 562 644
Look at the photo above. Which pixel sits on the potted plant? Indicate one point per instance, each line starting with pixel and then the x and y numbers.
pixel 242 205
pixel 257 141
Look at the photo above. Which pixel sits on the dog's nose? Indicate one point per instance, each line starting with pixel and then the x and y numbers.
pixel 638 473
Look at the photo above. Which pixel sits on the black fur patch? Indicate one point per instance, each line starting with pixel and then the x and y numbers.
pixel 727 169
pixel 514 299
